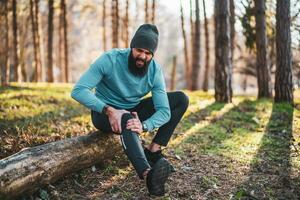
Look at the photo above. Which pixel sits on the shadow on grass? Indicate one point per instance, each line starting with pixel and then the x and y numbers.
pixel 124 191
pixel 195 117
pixel 210 139
pixel 269 176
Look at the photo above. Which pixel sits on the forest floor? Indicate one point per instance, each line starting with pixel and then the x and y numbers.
pixel 249 149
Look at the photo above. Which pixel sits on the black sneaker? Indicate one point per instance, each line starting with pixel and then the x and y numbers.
pixel 157 177
pixel 153 157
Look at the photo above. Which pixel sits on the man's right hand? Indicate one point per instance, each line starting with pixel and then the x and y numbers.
pixel 115 117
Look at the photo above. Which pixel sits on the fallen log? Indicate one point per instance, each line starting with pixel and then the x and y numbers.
pixel 31 168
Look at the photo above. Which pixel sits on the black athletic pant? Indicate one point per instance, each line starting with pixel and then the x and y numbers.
pixel 130 140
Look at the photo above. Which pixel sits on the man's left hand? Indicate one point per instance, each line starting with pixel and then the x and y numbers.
pixel 135 124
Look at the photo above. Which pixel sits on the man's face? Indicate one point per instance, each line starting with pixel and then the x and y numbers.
pixel 141 57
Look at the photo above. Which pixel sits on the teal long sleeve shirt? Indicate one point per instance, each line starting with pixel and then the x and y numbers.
pixel 115 85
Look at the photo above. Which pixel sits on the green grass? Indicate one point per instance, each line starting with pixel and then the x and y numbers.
pixel 255 133
pixel 32 114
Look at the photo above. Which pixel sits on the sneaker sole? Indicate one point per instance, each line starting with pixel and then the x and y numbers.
pixel 160 176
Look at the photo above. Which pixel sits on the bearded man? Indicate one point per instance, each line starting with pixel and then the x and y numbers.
pixel 122 78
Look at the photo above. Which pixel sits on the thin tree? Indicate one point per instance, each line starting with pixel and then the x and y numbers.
pixel 64 42
pixel 146 12
pixel 173 75
pixel 222 53
pixel 232 28
pixel 262 67
pixel 126 24
pixel 196 50
pixel 15 42
pixel 153 12
pixel 50 42
pixel 186 56
pixel 34 39
pixel 104 25
pixel 206 71
pixel 115 23
pixel 37 29
pixel 192 35
pixel 4 38
pixel 23 44
pixel 232 36
pixel 283 75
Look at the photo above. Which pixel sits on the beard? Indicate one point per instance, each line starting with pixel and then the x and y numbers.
pixel 137 70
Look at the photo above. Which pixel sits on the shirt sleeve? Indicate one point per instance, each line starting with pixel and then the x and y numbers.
pixel 161 103
pixel 82 91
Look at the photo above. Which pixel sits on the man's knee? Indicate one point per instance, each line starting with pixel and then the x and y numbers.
pixel 124 119
pixel 183 99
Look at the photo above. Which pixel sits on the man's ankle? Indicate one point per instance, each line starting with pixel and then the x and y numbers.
pixel 145 173
pixel 153 147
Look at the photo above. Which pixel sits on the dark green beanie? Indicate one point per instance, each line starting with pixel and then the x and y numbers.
pixel 146 37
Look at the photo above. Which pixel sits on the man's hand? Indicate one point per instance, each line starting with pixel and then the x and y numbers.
pixel 135 124
pixel 115 117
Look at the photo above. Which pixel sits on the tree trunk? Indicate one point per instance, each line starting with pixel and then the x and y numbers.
pixel 153 12
pixel 205 81
pixel 283 75
pixel 33 31
pixel 4 38
pixel 65 39
pixel 23 45
pixel 115 23
pixel 173 75
pixel 60 43
pixel 222 53
pixel 186 56
pixel 232 28
pixel 196 50
pixel 232 35
pixel 15 42
pixel 37 29
pixel 50 42
pixel 192 42
pixel 262 67
pixel 104 25
pixel 29 169
pixel 146 12
pixel 127 24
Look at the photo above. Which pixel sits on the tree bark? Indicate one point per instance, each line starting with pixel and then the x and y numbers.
pixel 186 56
pixel 146 12
pixel 192 32
pixel 222 53
pixel 173 75
pixel 283 75
pixel 115 23
pixel 65 39
pixel 196 50
pixel 127 24
pixel 23 45
pixel 15 42
pixel 34 39
pixel 104 25
pixel 29 169
pixel 262 67
pixel 4 38
pixel 206 71
pixel 153 12
pixel 232 28
pixel 232 36
pixel 37 29
pixel 50 42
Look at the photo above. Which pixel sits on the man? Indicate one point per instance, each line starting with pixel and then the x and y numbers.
pixel 122 77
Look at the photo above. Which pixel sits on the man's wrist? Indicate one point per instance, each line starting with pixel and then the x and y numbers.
pixel 105 109
pixel 145 127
